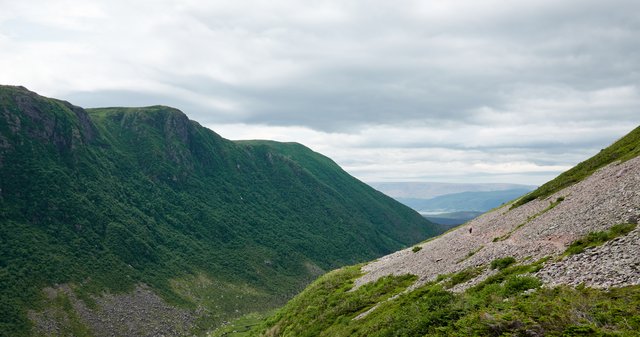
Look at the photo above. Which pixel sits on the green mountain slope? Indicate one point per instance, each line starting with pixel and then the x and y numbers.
pixel 558 267
pixel 500 306
pixel 106 199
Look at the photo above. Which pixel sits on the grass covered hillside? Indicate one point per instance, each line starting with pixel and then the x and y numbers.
pixel 107 199
pixel 563 266
pixel 510 303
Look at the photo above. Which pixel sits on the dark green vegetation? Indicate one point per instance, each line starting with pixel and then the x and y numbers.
pixel 416 249
pixel 598 238
pixel 462 276
pixel 240 327
pixel 108 198
pixel 506 304
pixel 626 148
pixel 330 300
pixel 502 263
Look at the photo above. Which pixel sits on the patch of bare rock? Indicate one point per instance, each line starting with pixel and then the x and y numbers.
pixel 614 264
pixel 138 313
pixel 535 230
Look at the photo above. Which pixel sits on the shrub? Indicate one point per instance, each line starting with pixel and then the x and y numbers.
pixel 502 263
pixel 464 276
pixel 594 239
pixel 416 249
pixel 516 284
pixel 578 330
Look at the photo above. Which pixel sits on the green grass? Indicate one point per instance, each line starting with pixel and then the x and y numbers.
pixel 598 238
pixel 511 271
pixel 240 327
pixel 625 148
pixel 65 312
pixel 416 249
pixel 224 300
pixel 509 304
pixel 331 301
pixel 463 276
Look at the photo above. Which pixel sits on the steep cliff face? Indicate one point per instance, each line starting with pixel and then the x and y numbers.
pixel 27 118
pixel 144 204
pixel 565 262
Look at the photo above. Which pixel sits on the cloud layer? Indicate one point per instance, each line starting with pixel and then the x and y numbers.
pixel 407 90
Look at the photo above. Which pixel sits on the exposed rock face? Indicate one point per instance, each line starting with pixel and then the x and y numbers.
pixel 39 123
pixel 537 229
pixel 139 313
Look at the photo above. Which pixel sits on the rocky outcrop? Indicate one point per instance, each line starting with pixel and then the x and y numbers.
pixel 45 120
pixel 536 230
pixel 614 264
pixel 138 313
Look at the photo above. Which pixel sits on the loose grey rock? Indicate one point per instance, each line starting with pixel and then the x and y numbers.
pixel 532 231
pixel 139 313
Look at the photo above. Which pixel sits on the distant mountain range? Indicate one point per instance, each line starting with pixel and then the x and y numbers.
pixel 465 201
pixel 429 190
pixel 450 203
pixel 139 221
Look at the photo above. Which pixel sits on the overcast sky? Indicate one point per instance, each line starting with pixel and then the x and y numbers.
pixel 450 91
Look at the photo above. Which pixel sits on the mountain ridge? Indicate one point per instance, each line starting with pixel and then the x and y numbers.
pixel 466 201
pixel 428 190
pixel 102 203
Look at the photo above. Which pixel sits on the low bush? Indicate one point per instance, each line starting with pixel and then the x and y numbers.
pixel 502 263
pixel 463 276
pixel 516 284
pixel 598 238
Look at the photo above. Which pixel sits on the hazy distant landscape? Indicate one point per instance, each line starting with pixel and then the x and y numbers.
pixel 452 204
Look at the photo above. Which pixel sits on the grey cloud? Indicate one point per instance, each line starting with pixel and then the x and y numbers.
pixel 524 68
pixel 379 63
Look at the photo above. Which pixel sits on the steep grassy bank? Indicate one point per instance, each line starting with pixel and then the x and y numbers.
pixel 510 303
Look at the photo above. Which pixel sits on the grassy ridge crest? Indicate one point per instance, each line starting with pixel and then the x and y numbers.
pixel 109 198
pixel 625 148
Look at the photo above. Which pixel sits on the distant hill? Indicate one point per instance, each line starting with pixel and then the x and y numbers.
pixel 560 261
pixel 452 204
pixel 453 218
pixel 143 216
pixel 465 201
pixel 428 190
